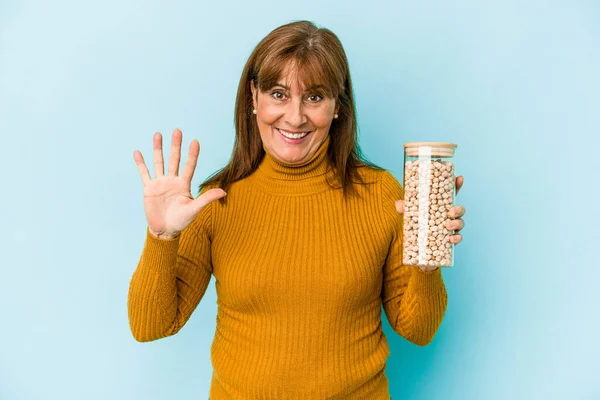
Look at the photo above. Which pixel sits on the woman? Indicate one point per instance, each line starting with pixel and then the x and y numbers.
pixel 305 248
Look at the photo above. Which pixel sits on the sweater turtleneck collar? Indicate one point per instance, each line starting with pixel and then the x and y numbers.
pixel 307 178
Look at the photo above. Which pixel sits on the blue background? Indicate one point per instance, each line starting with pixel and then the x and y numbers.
pixel 515 84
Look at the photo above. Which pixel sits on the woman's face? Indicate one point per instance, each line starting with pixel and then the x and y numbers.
pixel 292 110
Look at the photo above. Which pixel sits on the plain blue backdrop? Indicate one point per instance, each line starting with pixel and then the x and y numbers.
pixel 515 84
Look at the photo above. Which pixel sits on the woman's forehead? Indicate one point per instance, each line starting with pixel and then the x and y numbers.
pixel 295 84
pixel 292 76
pixel 296 76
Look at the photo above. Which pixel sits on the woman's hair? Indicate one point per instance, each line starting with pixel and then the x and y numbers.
pixel 320 60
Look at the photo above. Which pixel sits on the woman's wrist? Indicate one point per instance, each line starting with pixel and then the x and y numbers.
pixel 427 269
pixel 164 236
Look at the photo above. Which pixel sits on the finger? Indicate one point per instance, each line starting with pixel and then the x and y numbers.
pixel 175 153
pixel 139 160
pixel 400 206
pixel 459 182
pixel 460 224
pixel 159 168
pixel 455 225
pixel 457 211
pixel 456 239
pixel 207 197
pixel 192 159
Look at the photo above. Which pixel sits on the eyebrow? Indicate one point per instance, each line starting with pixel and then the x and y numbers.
pixel 308 89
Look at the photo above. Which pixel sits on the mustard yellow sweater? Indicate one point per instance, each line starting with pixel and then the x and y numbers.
pixel 300 277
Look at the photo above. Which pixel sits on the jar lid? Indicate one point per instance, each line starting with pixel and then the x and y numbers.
pixel 432 149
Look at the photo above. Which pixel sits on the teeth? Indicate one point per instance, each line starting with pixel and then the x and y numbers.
pixel 293 135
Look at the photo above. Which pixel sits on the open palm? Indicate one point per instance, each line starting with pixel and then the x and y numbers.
pixel 168 202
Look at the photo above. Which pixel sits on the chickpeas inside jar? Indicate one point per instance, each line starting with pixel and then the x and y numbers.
pixel 429 191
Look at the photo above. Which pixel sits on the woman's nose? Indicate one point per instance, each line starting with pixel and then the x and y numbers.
pixel 294 113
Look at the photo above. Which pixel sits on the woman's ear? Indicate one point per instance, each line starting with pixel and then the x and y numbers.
pixel 253 90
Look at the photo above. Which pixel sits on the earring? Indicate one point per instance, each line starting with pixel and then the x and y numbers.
pixel 335 116
pixel 254 111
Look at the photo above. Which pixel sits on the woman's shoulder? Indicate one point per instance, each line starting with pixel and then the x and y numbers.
pixel 390 186
pixel 373 173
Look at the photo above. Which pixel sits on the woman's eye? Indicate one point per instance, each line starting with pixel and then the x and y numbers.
pixel 275 93
pixel 314 98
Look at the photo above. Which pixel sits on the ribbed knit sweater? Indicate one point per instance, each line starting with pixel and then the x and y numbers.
pixel 301 276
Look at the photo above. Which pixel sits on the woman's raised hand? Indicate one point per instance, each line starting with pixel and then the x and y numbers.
pixel 168 202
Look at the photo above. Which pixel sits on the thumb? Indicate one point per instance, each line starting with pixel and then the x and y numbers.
pixel 400 206
pixel 207 197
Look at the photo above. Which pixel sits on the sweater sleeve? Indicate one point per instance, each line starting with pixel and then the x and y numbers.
pixel 414 301
pixel 170 280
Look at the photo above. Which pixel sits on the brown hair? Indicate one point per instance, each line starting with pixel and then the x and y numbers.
pixel 320 60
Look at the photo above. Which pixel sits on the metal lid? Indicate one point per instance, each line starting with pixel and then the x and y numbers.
pixel 429 149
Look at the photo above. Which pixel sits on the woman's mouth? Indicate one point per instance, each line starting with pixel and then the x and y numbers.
pixel 293 137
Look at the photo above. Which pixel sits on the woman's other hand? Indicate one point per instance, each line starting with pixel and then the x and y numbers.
pixel 168 203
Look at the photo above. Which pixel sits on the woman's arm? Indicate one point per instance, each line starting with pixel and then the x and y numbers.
pixel 170 280
pixel 414 301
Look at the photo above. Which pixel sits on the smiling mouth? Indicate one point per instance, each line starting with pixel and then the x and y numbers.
pixel 291 135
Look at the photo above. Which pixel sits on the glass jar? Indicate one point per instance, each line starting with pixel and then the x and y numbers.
pixel 429 191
